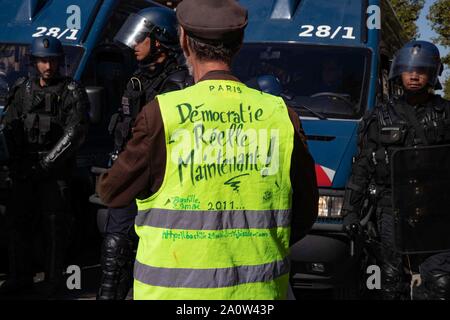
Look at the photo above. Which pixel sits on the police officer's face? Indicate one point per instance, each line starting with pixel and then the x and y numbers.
pixel 142 49
pixel 415 79
pixel 47 67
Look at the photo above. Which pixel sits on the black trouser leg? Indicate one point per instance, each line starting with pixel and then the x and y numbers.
pixel 55 196
pixel 55 247
pixel 117 254
pixel 117 267
pixel 19 219
pixel 394 282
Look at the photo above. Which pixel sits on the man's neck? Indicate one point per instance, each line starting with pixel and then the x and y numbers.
pixel 155 64
pixel 201 68
pixel 43 82
pixel 50 81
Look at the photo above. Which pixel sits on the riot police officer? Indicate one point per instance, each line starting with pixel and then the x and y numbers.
pixel 152 34
pixel 416 118
pixel 44 125
pixel 266 83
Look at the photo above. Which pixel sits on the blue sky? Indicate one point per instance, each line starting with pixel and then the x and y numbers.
pixel 426 33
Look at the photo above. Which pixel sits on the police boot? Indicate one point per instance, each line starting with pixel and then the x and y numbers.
pixel 436 286
pixel 54 266
pixel 21 277
pixel 117 267
pixel 440 285
pixel 395 283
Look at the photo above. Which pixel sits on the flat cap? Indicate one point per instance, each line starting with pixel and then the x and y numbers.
pixel 213 20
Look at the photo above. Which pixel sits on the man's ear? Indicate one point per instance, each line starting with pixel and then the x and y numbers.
pixel 147 41
pixel 184 43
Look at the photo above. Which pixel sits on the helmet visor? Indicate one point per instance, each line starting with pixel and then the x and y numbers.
pixel 133 31
pixel 416 59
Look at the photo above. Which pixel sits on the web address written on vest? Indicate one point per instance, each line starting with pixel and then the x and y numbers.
pixel 211 235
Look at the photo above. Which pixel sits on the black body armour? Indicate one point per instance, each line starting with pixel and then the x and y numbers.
pixel 45 111
pixel 142 88
pixel 44 127
pixel 46 124
pixel 43 118
pixel 402 125
pixel 389 127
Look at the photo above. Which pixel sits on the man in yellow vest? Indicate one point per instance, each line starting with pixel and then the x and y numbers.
pixel 222 174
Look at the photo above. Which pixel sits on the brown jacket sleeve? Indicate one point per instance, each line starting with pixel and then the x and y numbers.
pixel 305 195
pixel 139 170
pixel 130 175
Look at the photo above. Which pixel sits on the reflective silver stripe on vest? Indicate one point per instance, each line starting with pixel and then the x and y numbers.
pixel 214 220
pixel 209 278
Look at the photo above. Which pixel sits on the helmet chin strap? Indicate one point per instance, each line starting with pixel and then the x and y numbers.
pixel 417 96
pixel 152 56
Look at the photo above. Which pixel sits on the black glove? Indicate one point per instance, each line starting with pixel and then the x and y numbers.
pixel 353 230
pixel 39 172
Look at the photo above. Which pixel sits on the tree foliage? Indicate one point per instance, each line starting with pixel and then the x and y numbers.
pixel 447 89
pixel 439 16
pixel 408 12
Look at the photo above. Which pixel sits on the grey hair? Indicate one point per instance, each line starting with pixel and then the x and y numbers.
pixel 215 51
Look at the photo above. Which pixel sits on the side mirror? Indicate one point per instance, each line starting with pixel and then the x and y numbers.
pixel 96 100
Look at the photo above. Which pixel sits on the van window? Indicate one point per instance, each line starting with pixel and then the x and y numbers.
pixel 329 80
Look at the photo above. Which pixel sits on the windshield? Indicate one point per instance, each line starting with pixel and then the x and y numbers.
pixel 14 63
pixel 330 81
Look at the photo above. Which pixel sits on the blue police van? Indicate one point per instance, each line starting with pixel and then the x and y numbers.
pixel 86 29
pixel 331 58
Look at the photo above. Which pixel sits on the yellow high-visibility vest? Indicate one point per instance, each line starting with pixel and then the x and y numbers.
pixel 219 226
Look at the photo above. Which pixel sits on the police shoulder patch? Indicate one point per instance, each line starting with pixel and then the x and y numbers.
pixel 20 81
pixel 440 104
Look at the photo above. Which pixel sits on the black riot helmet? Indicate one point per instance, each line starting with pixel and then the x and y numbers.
pixel 157 23
pixel 44 47
pixel 266 83
pixel 418 55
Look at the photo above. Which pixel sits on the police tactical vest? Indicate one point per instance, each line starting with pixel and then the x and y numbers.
pixel 142 87
pixel 138 92
pixel 401 125
pixel 43 111
pixel 219 226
